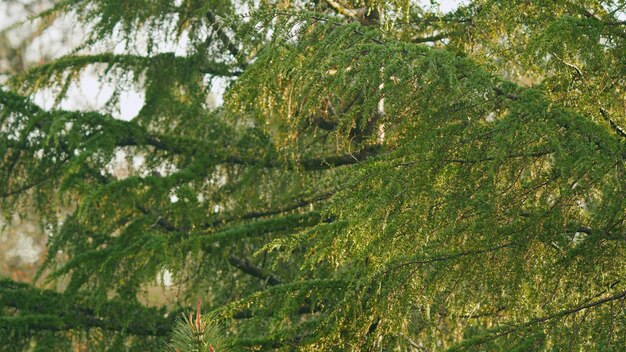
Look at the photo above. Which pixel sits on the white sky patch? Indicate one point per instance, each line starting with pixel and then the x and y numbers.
pixel 138 161
pixel 180 47
pixel 44 98
pixel 165 278
pixel 218 88
pixel 447 6
pixel 13 10
pixel 25 249
pixel 173 198
pixel 131 103
pixel 444 6
pixel 88 94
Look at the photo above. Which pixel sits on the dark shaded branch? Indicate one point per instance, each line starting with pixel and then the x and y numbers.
pixel 332 161
pixel 500 91
pixel 607 235
pixel 261 227
pixel 617 128
pixel 326 125
pixel 433 38
pixel 299 204
pixel 160 220
pixel 311 164
pixel 308 164
pixel 266 213
pixel 485 314
pixel 449 257
pixel 24 188
pixel 575 68
pixel 255 271
pixel 223 37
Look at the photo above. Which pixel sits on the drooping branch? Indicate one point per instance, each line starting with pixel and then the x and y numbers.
pixel 509 330
pixel 250 269
pixel 129 61
pixel 41 309
pixel 311 164
pixel 129 134
pixel 296 205
pixel 260 227
pixel 443 258
pixel 432 38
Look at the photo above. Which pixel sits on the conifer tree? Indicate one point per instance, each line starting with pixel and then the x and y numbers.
pixel 381 176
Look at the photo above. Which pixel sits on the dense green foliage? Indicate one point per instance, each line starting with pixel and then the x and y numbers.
pixel 384 177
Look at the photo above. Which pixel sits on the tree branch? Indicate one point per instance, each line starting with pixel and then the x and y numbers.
pixel 614 125
pixel 540 320
pixel 223 37
pixel 310 164
pixel 536 154
pixel 297 205
pixel 365 15
pixel 433 38
pixel 35 307
pixel 342 9
pixel 448 257
pixel 252 270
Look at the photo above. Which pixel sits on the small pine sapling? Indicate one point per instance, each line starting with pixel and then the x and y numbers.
pixel 201 333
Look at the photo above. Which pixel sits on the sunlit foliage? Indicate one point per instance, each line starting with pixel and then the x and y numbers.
pixel 381 176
